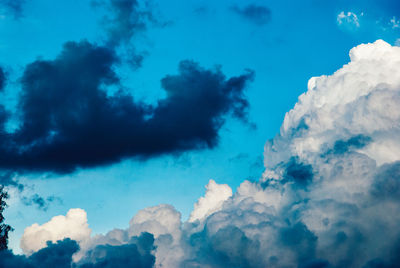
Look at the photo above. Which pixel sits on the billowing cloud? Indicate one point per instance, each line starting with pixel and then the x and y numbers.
pixel 53 255
pixel 329 196
pixel 259 15
pixel 215 196
pixel 70 120
pixel 74 226
pixel 165 223
pixel 136 253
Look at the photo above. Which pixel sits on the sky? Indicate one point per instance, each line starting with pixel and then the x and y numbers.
pixel 116 108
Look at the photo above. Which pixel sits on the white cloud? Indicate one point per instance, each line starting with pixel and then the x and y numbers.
pixel 74 225
pixel 348 18
pixel 164 222
pixel 158 220
pixel 360 98
pixel 394 23
pixel 213 200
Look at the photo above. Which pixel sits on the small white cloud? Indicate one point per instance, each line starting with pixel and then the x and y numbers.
pixel 394 23
pixel 215 196
pixel 348 18
pixel 74 226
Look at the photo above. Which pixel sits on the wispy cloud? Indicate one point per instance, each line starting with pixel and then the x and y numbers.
pixel 348 18
pixel 257 14
pixel 13 7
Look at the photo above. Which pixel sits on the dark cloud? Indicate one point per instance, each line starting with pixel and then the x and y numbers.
pixel 229 247
pixel 137 253
pixel 54 255
pixel 392 262
pixel 298 172
pixel 259 15
pixel 40 202
pixel 387 182
pixel 299 239
pixel 125 20
pixel 68 119
pixel 15 7
pixel 315 264
pixel 356 142
pixel 8 178
pixel 3 79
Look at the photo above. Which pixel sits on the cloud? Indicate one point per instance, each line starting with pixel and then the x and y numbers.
pixel 136 253
pixel 348 19
pixel 228 247
pixel 74 226
pixel 15 7
pixel 129 18
pixel 164 222
pixel 70 120
pixel 259 15
pixel 38 201
pixel 329 196
pixel 9 178
pixel 3 79
pixel 394 23
pixel 53 255
pixel 125 20
pixel 215 196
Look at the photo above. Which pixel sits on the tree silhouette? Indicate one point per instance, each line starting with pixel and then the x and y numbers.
pixel 4 228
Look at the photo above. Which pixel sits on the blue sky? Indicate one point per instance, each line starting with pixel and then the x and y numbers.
pixel 299 40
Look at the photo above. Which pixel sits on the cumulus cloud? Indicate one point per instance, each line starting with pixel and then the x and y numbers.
pixel 73 225
pixel 329 196
pixel 215 196
pixel 135 253
pixel 164 222
pixel 259 15
pixel 53 255
pixel 68 119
